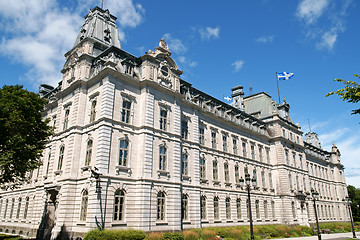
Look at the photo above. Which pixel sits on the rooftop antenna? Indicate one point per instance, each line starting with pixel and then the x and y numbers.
pixel 102 4
pixel 309 125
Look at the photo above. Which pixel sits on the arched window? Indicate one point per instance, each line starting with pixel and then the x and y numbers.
pixel 162 158
pixel 238 208
pixel 26 208
pixel 184 163
pixel 161 206
pixel 293 209
pixel 93 111
pixel 215 170
pixel 119 205
pixel 202 168
pixel 66 119
pixel 12 208
pixel 18 209
pixel 185 207
pixel 228 208
pixel 203 207
pixel 88 152
pixel 61 157
pixel 226 171
pixel 123 152
pixel 216 208
pixel 84 205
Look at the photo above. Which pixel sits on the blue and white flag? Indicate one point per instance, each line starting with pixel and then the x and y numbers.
pixel 284 75
pixel 228 99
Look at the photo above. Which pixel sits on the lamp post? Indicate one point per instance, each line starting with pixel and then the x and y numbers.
pixel 314 195
pixel 348 201
pixel 248 183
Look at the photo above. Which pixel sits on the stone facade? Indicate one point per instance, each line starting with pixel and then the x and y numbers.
pixel 136 146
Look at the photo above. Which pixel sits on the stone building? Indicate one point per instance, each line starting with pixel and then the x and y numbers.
pixel 136 146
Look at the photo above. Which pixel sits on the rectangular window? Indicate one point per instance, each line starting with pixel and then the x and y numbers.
pixel 215 171
pixel 203 207
pixel 244 149
pixel 294 159
pixel 184 164
pixel 123 152
pixel 266 210
pixel 66 119
pixel 163 119
pixel 238 208
pixel 93 111
pixel 226 172
pixel 263 179
pixel 224 138
pixel 228 208
pixel 257 208
pixel 237 176
pixel 283 132
pixel 301 162
pixel 202 136
pixel 252 152
pixel 268 155
pixel 261 153
pixel 162 158
pixel 270 181
pixel 184 129
pixel 126 111
pixel 216 208
pixel 287 157
pixel 202 168
pixel 273 208
pixel 213 139
pixel 235 146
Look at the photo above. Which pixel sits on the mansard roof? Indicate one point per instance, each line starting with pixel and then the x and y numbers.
pixel 99 25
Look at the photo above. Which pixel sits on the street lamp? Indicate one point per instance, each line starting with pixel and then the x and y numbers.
pixel 314 195
pixel 248 183
pixel 348 200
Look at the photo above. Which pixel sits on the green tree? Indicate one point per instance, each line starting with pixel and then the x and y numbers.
pixel 350 93
pixel 354 195
pixel 23 134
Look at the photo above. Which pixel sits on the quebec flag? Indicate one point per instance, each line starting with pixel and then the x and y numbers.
pixel 285 75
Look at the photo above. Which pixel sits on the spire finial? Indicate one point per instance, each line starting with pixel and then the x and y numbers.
pixel 102 4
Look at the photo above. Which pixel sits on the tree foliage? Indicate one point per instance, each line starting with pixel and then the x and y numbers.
pixel 354 195
pixel 23 134
pixel 350 93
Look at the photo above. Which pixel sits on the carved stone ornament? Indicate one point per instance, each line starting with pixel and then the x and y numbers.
pixel 164 74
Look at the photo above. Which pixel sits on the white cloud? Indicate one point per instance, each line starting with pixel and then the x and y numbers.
pixel 38 33
pixel 209 32
pixel 311 10
pixel 175 44
pixel 186 62
pixel 328 40
pixel 265 39
pixel 238 64
pixel 326 33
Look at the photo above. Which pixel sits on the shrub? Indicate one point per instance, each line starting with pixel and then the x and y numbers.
pixel 173 236
pixel 106 234
pixel 155 236
pixel 207 234
pixel 190 235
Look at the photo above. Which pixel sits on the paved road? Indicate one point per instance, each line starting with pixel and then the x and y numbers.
pixel 333 236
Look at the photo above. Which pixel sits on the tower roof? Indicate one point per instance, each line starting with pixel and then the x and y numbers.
pixel 100 26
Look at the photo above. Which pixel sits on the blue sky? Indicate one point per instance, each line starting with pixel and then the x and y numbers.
pixel 218 45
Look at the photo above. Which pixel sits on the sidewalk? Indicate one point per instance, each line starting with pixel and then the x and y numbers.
pixel 333 236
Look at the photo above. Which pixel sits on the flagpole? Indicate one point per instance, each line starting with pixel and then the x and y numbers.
pixel 277 78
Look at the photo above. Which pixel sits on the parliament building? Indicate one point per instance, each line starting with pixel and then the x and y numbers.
pixel 136 146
